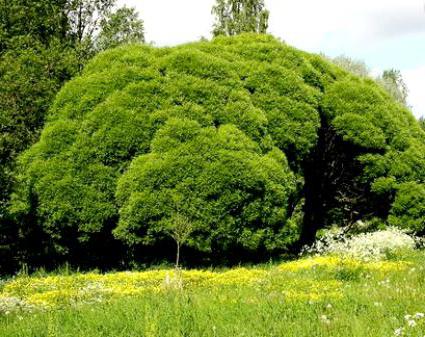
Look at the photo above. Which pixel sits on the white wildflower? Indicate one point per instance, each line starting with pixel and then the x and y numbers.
pixel 398 332
pixel 411 323
pixel 325 319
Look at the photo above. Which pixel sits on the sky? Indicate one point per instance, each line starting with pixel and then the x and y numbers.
pixel 383 33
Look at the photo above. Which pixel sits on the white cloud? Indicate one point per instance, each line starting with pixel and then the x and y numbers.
pixel 357 28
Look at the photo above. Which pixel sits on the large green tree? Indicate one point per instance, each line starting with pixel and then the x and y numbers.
pixel 237 135
pixel 240 16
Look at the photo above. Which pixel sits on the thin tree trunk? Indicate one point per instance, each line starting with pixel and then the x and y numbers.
pixel 178 255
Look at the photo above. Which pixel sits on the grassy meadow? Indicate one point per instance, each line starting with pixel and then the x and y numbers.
pixel 315 296
pixel 116 152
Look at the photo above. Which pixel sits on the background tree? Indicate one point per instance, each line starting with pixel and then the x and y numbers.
pixel 120 27
pixel 356 67
pixel 25 22
pixel 96 25
pixel 42 45
pixel 393 82
pixel 240 16
pixel 35 59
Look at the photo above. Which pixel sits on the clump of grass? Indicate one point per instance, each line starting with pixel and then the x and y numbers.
pixel 346 272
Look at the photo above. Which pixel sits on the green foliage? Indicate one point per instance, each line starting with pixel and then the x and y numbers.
pixel 42 45
pixel 240 16
pixel 25 22
pixel 364 115
pixel 29 80
pixel 35 60
pixel 219 179
pixel 242 136
pixel 391 80
pixel 408 210
pixel 120 27
pixel 94 25
pixel 422 122
pixel 168 113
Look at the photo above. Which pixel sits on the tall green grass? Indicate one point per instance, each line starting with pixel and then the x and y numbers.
pixel 369 304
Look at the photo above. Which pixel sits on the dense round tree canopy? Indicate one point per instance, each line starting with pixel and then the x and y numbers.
pixel 240 135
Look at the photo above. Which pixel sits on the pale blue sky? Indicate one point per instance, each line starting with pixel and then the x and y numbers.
pixel 383 33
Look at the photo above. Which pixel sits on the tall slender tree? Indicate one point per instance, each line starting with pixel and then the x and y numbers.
pixel 95 25
pixel 240 16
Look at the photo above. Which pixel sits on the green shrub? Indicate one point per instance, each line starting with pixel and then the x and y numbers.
pixel 232 133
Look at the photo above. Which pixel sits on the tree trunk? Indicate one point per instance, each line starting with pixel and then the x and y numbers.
pixel 178 255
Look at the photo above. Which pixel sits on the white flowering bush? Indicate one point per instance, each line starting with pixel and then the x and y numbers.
pixel 376 245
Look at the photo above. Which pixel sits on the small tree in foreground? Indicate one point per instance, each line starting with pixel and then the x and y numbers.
pixel 180 229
